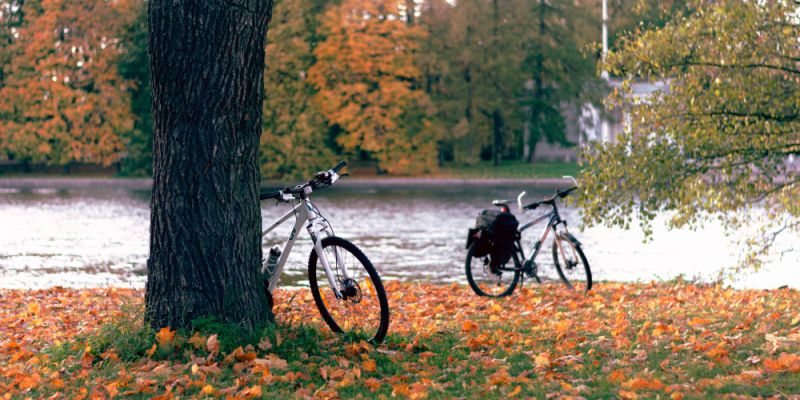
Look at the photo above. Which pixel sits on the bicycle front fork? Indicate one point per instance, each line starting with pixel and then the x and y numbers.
pixel 340 265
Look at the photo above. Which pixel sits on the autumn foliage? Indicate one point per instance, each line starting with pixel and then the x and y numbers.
pixel 666 340
pixel 368 84
pixel 409 85
pixel 61 96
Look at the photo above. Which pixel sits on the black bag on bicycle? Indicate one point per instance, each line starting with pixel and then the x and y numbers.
pixel 494 234
pixel 480 235
pixel 503 233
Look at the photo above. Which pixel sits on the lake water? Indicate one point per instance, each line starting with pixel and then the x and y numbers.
pixel 96 234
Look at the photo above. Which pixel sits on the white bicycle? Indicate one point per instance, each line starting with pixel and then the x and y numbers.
pixel 346 288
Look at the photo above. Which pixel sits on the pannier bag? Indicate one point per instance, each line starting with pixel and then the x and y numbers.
pixel 494 234
pixel 503 233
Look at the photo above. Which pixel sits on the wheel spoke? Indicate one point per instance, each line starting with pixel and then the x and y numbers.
pixel 359 311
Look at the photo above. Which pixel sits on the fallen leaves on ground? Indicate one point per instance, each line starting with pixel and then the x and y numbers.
pixel 660 340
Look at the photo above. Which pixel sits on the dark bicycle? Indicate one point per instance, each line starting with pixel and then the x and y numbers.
pixel 495 257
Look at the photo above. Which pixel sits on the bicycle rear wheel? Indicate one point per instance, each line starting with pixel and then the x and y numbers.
pixel 570 263
pixel 486 282
pixel 363 309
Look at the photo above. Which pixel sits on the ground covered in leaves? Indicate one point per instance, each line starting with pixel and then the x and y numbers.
pixel 663 340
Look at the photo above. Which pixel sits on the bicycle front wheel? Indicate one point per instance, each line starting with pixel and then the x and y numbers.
pixel 363 309
pixel 487 281
pixel 570 263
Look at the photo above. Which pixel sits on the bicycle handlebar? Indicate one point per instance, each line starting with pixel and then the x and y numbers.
pixel 321 180
pixel 339 166
pixel 551 200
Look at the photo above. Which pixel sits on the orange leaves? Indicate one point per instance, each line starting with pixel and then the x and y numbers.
pixel 369 365
pixel 34 308
pixel 197 341
pixel 699 322
pixel 644 384
pixel 617 376
pixel 165 336
pixel 66 100
pixel 365 75
pixel 718 352
pixel 786 362
pixel 544 342
pixel 469 326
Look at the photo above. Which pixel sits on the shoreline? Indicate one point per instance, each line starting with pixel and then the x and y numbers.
pixel 390 182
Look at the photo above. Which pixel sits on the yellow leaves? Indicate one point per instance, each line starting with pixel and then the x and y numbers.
pixel 165 336
pixel 208 390
pixel 542 360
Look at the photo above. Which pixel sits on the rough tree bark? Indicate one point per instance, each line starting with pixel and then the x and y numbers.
pixel 206 67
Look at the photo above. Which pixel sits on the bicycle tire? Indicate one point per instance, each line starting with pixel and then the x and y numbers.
pixel 325 309
pixel 571 241
pixel 475 285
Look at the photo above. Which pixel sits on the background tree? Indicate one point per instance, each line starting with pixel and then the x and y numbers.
pixel 719 141
pixel 11 18
pixel 62 99
pixel 560 75
pixel 479 85
pixel 368 85
pixel 134 67
pixel 205 229
pixel 296 141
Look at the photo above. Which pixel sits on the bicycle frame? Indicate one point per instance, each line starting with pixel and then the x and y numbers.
pixel 553 219
pixel 304 212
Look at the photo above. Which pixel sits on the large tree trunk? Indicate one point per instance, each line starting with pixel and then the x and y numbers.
pixel 206 67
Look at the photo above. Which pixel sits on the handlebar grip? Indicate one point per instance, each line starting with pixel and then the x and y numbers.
pixel 562 194
pixel 532 206
pixel 269 195
pixel 339 166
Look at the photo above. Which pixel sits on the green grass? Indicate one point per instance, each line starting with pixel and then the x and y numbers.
pixel 510 170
